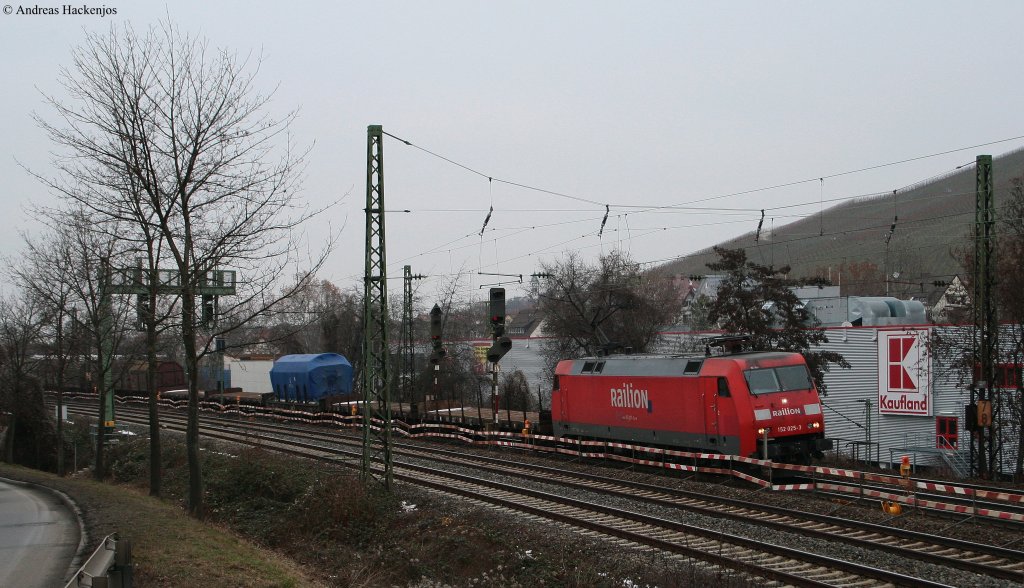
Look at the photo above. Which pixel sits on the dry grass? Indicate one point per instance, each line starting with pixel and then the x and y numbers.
pixel 169 548
pixel 279 521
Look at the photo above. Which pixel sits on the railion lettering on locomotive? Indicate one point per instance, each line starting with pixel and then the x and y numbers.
pixel 629 397
pixel 786 411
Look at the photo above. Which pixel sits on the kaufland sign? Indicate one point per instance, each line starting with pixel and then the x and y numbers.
pixel 904 372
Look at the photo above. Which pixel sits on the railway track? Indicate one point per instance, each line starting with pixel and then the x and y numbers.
pixel 987 560
pixel 969 503
pixel 658 533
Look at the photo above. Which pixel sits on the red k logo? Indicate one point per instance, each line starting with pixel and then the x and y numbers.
pixel 904 372
pixel 903 360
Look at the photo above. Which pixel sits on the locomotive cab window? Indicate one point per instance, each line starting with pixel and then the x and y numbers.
pixel 692 368
pixel 599 367
pixel 794 377
pixel 588 367
pixel 781 379
pixel 723 387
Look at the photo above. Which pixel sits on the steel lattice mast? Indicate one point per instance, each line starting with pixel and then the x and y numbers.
pixel 406 349
pixel 375 374
pixel 986 326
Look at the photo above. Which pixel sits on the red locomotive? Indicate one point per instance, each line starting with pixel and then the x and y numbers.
pixel 725 404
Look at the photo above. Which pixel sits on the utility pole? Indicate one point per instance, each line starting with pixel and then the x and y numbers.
pixel 986 327
pixel 888 237
pixel 376 393
pixel 406 350
pixel 104 380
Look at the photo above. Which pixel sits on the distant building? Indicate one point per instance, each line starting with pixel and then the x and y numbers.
pixel 952 303
pixel 866 311
pixel 251 373
pixel 523 324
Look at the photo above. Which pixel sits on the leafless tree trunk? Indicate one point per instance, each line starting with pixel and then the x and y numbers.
pixel 64 269
pixel 22 320
pixel 36 274
pixel 170 134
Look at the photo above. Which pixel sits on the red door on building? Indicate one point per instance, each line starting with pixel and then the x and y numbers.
pixel 946 432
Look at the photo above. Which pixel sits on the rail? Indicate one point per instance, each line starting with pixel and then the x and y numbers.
pixel 110 566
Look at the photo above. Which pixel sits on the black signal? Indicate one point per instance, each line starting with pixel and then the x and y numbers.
pixel 501 346
pixel 497 311
pixel 209 310
pixel 436 324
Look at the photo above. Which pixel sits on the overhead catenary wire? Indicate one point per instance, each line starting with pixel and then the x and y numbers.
pixel 678 208
pixel 646 208
pixel 709 198
pixel 492 178
pixel 868 200
pixel 661 229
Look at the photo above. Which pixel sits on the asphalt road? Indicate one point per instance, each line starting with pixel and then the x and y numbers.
pixel 38 537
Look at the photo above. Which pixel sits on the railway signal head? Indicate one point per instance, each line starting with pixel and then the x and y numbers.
pixel 436 323
pixel 209 310
pixel 501 346
pixel 141 311
pixel 497 311
pixel 437 356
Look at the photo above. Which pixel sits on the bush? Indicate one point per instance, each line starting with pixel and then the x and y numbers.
pixel 129 461
pixel 337 507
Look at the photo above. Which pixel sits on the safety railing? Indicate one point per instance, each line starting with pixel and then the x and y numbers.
pixel 110 566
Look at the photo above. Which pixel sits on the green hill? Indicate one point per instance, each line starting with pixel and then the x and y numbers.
pixel 847 242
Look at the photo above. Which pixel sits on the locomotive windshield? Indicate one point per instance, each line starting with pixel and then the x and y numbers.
pixel 780 379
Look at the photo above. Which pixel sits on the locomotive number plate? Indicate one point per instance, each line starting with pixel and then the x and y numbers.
pixel 789 428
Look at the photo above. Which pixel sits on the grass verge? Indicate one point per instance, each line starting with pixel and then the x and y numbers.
pixel 274 520
pixel 169 548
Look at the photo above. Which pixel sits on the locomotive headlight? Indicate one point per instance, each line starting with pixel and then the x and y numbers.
pixel 785 401
pixel 815 425
pixel 760 431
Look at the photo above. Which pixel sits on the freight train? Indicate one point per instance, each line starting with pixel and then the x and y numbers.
pixel 751 404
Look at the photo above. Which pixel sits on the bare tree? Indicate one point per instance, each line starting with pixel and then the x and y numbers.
pixel 37 272
pixel 612 305
pixel 164 123
pixel 515 390
pixel 29 439
pixel 81 259
pixel 319 317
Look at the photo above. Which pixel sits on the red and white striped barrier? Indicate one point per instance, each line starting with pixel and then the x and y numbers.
pixel 643 456
pixel 841 488
pixel 882 495
pixel 752 479
pixel 997 514
pixel 957 508
pixel 793 467
pixel 680 467
pixel 836 472
pixel 945 488
pixel 881 478
pixel 1000 496
pixel 784 487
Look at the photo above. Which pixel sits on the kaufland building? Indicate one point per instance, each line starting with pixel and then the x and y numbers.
pixel 895 400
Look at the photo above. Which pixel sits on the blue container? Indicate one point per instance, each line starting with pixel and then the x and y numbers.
pixel 308 377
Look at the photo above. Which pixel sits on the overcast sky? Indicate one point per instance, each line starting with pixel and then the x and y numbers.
pixel 621 103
